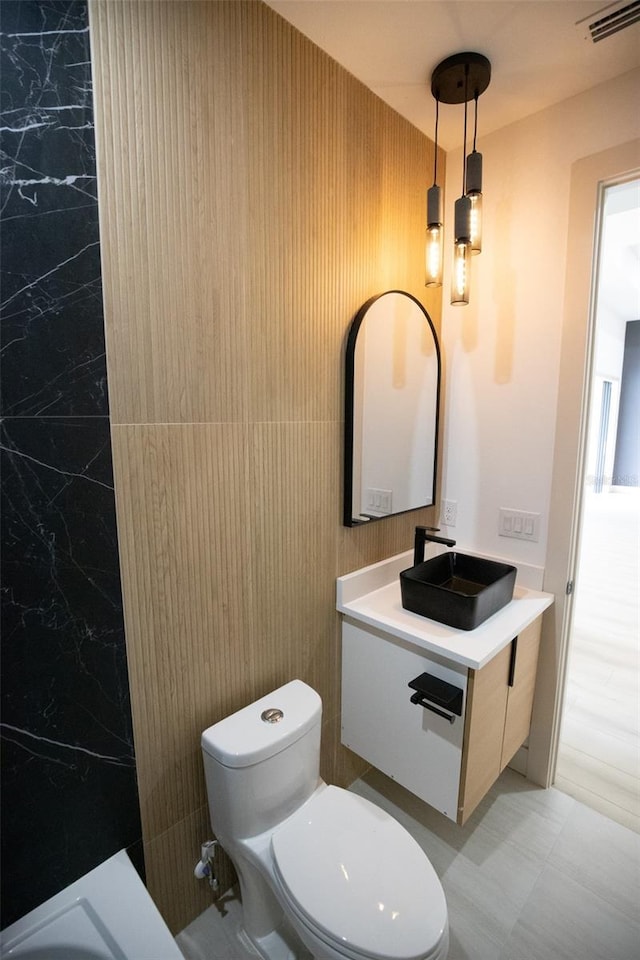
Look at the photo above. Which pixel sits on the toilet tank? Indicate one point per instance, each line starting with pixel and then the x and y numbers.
pixel 263 762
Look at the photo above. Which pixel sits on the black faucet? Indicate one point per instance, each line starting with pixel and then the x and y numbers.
pixel 422 535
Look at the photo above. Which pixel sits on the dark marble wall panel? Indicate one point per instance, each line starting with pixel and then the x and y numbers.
pixel 51 294
pixel 69 797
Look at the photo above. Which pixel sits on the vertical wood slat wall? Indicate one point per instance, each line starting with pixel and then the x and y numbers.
pixel 253 195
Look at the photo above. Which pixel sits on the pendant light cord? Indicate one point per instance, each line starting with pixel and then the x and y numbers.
pixel 435 158
pixel 464 145
pixel 475 121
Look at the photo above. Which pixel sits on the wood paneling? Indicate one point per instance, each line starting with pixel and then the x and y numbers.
pixel 182 502
pixel 253 195
pixel 295 468
pixel 173 188
pixel 179 847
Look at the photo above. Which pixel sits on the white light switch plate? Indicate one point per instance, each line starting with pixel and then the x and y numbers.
pixel 379 501
pixel 519 524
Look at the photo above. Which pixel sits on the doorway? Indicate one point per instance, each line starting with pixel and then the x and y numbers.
pixel 598 758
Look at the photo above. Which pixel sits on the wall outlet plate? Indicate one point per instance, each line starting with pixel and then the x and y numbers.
pixel 449 513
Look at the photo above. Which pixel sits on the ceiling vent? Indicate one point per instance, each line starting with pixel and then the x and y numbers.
pixel 609 19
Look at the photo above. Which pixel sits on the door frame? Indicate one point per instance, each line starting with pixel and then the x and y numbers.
pixel 589 177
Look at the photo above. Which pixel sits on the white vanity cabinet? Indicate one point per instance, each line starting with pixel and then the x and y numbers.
pixel 381 724
pixel 450 761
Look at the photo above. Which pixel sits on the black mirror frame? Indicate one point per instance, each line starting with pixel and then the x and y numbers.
pixel 348 519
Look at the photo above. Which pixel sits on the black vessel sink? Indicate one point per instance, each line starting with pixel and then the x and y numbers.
pixel 457 589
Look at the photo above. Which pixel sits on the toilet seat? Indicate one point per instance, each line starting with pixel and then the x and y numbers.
pixel 370 890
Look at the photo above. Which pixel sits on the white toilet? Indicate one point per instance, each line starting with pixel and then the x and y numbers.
pixel 323 873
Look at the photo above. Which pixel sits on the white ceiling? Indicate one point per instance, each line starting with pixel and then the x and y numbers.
pixel 538 54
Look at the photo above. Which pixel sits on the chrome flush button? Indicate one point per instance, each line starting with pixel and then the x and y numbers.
pixel 272 715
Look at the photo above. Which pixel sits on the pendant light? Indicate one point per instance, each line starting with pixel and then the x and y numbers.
pixel 460 277
pixel 474 188
pixel 461 274
pixel 435 228
pixel 458 79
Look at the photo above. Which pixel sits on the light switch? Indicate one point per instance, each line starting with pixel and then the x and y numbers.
pixel 519 524
pixel 379 501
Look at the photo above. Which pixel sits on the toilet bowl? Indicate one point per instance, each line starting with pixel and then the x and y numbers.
pixel 323 872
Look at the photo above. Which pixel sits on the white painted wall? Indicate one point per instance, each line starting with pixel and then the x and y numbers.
pixel 502 352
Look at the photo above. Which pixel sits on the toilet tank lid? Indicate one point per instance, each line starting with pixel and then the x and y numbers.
pixel 245 738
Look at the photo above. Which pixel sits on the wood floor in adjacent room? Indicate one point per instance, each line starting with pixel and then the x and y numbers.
pixel 599 754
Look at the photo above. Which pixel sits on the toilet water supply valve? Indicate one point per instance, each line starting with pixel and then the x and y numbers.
pixel 204 866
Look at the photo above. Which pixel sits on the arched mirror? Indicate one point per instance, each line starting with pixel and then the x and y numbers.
pixel 391 409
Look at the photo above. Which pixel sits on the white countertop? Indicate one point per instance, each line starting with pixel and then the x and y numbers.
pixel 371 596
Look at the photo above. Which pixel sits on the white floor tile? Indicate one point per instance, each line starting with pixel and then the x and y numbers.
pixel 564 921
pixel 602 856
pixel 214 934
pixel 521 813
pixel 534 875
